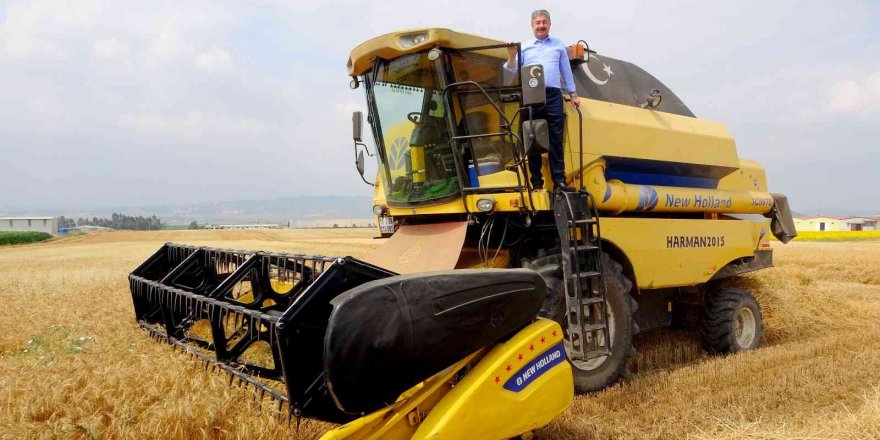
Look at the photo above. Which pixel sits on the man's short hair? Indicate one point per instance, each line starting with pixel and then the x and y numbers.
pixel 539 12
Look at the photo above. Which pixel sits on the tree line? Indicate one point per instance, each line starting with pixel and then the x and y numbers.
pixel 116 221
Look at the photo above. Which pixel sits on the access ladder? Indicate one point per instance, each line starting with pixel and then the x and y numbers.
pixel 577 221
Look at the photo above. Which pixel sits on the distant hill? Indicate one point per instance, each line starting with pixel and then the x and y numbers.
pixel 281 210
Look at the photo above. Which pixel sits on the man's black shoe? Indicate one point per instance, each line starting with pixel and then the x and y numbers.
pixel 562 186
pixel 537 186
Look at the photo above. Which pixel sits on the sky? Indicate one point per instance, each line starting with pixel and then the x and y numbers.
pixel 109 103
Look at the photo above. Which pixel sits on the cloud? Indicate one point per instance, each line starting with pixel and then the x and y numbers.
pixel 98 79
pixel 855 96
pixel 41 30
pixel 346 108
pixel 109 48
pixel 213 59
pixel 193 124
pixel 164 47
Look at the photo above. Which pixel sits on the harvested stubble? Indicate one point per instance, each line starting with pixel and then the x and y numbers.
pixel 73 364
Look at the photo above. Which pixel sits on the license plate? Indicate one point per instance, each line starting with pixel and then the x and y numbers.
pixel 386 225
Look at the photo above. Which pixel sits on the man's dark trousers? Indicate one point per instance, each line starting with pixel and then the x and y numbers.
pixel 552 112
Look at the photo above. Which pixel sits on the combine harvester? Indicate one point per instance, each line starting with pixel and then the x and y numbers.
pixel 491 302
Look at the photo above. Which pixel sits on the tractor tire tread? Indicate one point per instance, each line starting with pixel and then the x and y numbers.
pixel 718 320
pixel 550 268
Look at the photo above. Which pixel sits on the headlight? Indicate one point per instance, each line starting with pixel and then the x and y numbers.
pixel 486 205
pixel 378 210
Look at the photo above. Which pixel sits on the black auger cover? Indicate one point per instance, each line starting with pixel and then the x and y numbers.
pixel 388 335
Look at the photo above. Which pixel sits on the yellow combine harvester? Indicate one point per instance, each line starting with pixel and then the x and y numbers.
pixel 407 344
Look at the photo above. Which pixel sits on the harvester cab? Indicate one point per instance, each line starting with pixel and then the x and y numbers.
pixel 446 119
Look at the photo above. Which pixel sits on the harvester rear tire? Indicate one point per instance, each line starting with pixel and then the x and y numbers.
pixel 599 373
pixel 731 321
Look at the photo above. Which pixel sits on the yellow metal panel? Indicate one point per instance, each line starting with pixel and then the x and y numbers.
pixel 682 252
pixel 501 178
pixel 625 131
pixel 483 406
pixel 509 202
pixel 390 46
pixel 480 406
pixel 401 420
pixel 750 177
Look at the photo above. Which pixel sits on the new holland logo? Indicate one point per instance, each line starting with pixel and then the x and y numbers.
pixel 398 153
pixel 647 198
pixel 543 363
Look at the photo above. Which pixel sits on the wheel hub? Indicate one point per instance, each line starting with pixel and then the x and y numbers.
pixel 745 327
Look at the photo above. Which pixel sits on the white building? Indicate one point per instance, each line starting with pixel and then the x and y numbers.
pixel 245 226
pixel 859 224
pixel 835 223
pixel 333 222
pixel 30 224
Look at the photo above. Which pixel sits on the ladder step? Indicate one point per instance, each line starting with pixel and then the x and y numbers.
pixel 596 353
pixel 587 274
pixel 592 300
pixel 594 327
pixel 582 221
pixel 590 355
pixel 584 247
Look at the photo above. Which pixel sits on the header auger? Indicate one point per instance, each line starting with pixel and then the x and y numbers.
pixel 337 339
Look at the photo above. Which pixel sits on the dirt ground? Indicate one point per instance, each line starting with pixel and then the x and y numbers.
pixel 74 364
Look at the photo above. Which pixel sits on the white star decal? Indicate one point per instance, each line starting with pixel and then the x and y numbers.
pixel 607 70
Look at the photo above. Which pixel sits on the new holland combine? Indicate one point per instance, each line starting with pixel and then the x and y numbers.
pixel 491 302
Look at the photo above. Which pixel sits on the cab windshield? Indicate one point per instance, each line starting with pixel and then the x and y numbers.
pixel 410 124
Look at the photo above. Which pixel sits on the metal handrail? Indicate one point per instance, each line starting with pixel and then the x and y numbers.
pixel 507 124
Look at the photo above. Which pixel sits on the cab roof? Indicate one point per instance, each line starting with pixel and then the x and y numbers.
pixel 407 41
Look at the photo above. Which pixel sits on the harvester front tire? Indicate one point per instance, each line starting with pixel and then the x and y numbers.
pixel 598 373
pixel 731 321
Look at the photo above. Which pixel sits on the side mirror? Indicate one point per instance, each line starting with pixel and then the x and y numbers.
pixel 533 91
pixel 357 122
pixel 360 162
pixel 536 136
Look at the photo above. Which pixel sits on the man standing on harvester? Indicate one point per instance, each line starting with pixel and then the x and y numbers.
pixel 551 53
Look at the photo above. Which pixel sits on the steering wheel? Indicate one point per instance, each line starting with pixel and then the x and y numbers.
pixel 414 117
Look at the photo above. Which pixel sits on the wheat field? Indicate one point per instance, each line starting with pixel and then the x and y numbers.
pixel 74 364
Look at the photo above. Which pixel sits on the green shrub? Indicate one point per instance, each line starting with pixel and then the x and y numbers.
pixel 22 237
